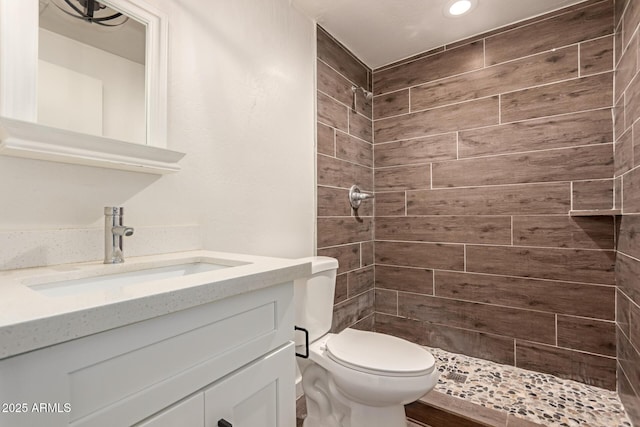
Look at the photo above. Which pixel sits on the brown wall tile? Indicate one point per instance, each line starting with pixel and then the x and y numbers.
pixel 587 368
pixel 564 232
pixel 578 265
pixel 456 340
pixel 332 113
pixel 583 24
pixel 426 255
pixel 629 235
pixel 587 93
pixel 360 281
pixel 624 153
pixel 630 21
pixel 596 56
pixel 340 59
pixel 636 144
pixel 402 178
pixel 326 140
pixel 631 192
pixel 628 276
pixel 594 336
pixel 416 280
pixel 350 311
pixel 341 289
pixel 348 256
pixel 454 229
pixel 339 173
pixel 392 203
pixel 620 6
pixel 466 115
pixel 511 322
pixel 632 101
pixel 628 358
pixel 448 63
pixel 619 124
pixel 634 324
pixel 617 193
pixel 629 398
pixel 366 248
pixel 590 127
pixel 526 72
pixel 360 126
pixel 331 83
pixel 622 312
pixel 498 200
pixel 544 295
pixel 353 149
pixel 386 301
pixel 625 71
pixel 589 195
pixel 367 323
pixel 341 230
pixel 421 150
pixel 333 202
pixel 391 104
pixel 595 161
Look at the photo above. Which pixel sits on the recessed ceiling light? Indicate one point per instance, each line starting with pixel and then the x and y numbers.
pixel 459 7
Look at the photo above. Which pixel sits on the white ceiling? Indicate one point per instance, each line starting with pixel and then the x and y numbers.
pixel 380 32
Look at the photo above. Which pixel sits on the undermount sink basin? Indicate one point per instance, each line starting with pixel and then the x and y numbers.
pixel 113 280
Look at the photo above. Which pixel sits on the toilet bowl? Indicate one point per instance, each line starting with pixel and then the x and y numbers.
pixel 354 378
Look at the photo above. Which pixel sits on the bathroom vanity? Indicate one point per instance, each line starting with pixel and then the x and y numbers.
pixel 190 339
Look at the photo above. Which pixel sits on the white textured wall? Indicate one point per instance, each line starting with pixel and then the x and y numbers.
pixel 241 106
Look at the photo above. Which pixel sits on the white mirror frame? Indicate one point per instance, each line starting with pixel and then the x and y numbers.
pixel 21 136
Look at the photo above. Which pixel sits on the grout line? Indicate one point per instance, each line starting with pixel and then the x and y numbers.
pixel 464 252
pixel 405 203
pixel 511 230
pixel 433 280
pixel 579 73
pixel 484 52
pixel 571 194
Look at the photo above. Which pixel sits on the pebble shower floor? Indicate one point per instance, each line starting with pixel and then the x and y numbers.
pixel 537 397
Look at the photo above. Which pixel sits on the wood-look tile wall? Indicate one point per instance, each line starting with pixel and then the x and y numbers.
pixel 480 151
pixel 344 158
pixel 627 190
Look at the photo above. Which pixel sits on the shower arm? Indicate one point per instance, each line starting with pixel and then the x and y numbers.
pixel 354 90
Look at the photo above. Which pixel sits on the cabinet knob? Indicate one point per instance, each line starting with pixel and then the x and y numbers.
pixel 224 423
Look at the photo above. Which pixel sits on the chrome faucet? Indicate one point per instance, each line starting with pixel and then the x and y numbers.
pixel 114 231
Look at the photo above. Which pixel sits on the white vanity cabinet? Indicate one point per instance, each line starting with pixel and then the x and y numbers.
pixel 232 358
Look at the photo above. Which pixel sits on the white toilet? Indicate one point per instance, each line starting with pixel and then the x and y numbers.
pixel 354 378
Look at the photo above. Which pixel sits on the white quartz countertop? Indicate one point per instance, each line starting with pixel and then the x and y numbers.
pixel 30 320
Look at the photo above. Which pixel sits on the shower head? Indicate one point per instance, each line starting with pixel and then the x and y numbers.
pixel 367 95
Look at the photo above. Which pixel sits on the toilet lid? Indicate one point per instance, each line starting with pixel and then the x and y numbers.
pixel 379 353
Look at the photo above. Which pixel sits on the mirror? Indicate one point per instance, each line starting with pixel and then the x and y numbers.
pixel 91 93
pixel 91 70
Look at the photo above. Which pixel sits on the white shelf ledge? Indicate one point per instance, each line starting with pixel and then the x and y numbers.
pixel 595 212
pixel 34 141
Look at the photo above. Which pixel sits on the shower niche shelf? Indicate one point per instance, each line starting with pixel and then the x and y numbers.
pixel 595 212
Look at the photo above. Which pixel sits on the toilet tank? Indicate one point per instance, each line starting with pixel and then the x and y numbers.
pixel 313 296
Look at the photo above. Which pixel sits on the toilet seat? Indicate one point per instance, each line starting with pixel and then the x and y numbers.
pixel 379 354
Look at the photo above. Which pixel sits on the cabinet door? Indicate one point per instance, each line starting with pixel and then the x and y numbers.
pixel 260 394
pixel 188 413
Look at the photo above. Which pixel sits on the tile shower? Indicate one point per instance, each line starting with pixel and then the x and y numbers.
pixel 476 152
